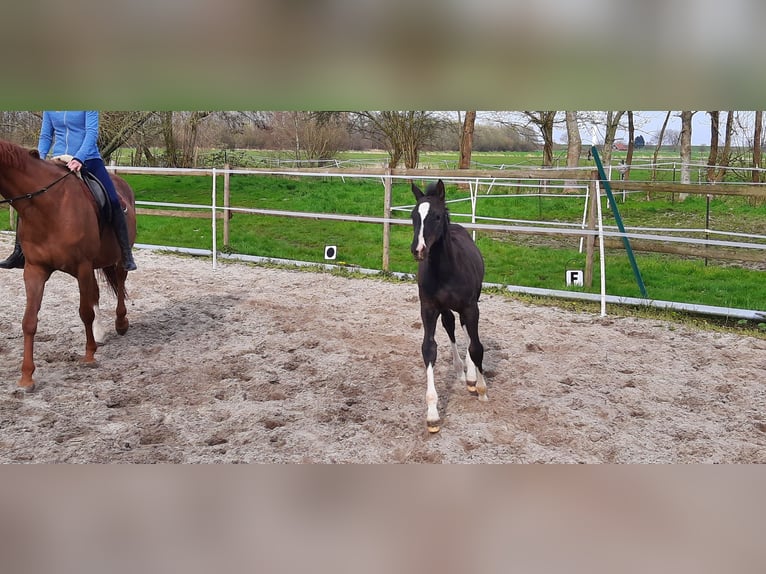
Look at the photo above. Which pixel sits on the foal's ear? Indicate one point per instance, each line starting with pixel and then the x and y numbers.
pixel 34 153
pixel 416 192
pixel 440 190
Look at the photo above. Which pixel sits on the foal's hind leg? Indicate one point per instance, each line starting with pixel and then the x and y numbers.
pixel 448 322
pixel 475 355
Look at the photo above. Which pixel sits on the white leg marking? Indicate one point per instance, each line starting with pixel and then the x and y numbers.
pixel 469 366
pixel 481 387
pixel 457 363
pixel 471 371
pixel 99 333
pixel 432 415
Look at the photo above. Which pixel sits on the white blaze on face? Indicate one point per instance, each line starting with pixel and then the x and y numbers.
pixel 423 211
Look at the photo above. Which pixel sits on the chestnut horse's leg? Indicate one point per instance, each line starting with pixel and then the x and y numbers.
pixel 99 333
pixel 34 285
pixel 86 279
pixel 121 322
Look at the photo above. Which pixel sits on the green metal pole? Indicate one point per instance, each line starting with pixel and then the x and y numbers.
pixel 618 219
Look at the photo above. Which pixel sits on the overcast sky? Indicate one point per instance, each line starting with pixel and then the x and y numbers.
pixel 649 124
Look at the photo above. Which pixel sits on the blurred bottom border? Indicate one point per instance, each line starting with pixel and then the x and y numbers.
pixel 381 518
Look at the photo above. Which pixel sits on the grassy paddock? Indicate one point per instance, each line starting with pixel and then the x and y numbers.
pixel 529 260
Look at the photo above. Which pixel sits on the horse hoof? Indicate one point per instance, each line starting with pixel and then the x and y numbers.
pixel 433 428
pixel 472 390
pixel 24 389
pixel 483 397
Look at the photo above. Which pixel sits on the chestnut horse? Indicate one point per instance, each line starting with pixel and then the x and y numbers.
pixel 60 230
pixel 450 275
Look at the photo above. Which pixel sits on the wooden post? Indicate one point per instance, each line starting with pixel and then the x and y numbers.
pixel 590 240
pixel 226 204
pixel 386 224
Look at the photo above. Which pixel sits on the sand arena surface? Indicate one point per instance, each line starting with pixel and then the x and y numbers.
pixel 253 364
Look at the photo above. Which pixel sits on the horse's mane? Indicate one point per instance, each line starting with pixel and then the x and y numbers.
pixel 14 156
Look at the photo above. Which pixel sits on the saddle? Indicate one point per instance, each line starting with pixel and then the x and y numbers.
pixel 94 185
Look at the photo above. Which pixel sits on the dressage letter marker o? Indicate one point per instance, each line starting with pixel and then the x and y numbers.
pixel 330 251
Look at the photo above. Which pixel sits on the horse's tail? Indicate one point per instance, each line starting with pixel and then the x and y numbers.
pixel 109 274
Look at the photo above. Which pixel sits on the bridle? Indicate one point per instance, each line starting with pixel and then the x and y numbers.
pixel 38 192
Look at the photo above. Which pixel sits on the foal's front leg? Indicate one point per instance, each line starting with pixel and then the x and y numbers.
pixel 428 349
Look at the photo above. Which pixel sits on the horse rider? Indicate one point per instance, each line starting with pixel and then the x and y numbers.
pixel 75 133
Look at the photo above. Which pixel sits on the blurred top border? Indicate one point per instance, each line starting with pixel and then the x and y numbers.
pixel 392 54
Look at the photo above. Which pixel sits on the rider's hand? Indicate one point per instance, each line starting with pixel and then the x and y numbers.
pixel 74 165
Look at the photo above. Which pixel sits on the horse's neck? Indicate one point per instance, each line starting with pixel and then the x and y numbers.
pixel 442 252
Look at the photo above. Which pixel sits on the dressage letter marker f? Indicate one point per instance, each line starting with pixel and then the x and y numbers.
pixel 574 277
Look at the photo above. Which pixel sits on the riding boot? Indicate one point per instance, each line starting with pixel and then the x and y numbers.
pixel 16 259
pixel 121 230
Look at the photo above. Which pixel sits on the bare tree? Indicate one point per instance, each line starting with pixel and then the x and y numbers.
pixel 718 160
pixel 168 134
pixel 180 133
pixel 611 125
pixel 544 122
pixel 20 127
pixel 659 146
pixel 323 139
pixel 574 143
pixel 403 134
pixel 712 157
pixel 631 142
pixel 757 131
pixel 190 136
pixel 466 139
pixel 686 150
pixel 116 128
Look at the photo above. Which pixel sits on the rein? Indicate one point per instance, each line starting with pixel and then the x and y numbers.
pixel 38 192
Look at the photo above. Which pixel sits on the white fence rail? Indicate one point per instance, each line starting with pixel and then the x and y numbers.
pixel 479 187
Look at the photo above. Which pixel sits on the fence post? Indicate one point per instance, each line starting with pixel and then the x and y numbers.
pixel 618 219
pixel 386 224
pixel 214 223
pixel 590 240
pixel 226 205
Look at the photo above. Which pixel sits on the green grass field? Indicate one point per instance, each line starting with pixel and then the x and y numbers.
pixel 516 259
pixel 523 260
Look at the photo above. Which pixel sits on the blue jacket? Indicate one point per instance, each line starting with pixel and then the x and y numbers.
pixel 71 132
